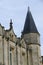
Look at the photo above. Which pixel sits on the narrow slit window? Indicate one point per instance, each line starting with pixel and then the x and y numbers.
pixel 10 56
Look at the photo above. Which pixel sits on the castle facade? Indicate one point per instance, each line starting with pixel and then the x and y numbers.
pixel 20 51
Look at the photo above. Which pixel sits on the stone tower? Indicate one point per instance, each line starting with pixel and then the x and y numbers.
pixel 32 39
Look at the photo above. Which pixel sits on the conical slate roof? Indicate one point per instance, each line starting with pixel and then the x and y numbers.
pixel 29 26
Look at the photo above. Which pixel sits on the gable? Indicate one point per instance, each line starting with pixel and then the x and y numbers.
pixel 11 35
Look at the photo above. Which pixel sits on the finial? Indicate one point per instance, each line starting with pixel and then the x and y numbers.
pixel 10 21
pixel 28 8
pixel 11 24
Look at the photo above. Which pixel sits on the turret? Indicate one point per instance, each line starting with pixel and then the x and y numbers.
pixel 30 32
pixel 32 39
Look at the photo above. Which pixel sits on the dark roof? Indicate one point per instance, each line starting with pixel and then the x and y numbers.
pixel 29 26
pixel 42 59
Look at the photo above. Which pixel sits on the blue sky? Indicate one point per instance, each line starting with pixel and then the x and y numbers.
pixel 16 10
